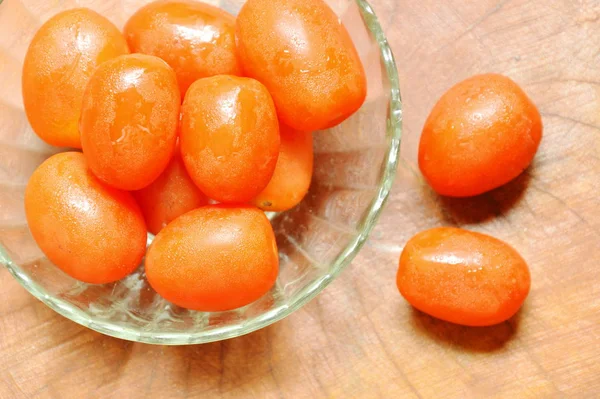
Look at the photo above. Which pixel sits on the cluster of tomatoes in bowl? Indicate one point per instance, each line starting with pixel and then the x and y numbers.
pixel 191 122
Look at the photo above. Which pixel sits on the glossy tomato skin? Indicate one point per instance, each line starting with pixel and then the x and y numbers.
pixel 305 57
pixel 129 120
pixel 463 277
pixel 481 134
pixel 214 258
pixel 293 172
pixel 171 195
pixel 196 39
pixel 91 231
pixel 229 137
pixel 59 62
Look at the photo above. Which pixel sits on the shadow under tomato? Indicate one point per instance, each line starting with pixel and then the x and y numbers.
pixel 477 209
pixel 472 339
pixel 216 367
pixel 228 364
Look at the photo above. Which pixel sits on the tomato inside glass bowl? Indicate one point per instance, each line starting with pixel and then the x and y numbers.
pixel 354 167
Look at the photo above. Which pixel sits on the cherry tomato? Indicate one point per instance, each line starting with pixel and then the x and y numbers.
pixel 229 137
pixel 196 39
pixel 91 231
pixel 481 134
pixel 305 57
pixel 169 196
pixel 293 172
pixel 129 120
pixel 462 276
pixel 59 62
pixel 214 258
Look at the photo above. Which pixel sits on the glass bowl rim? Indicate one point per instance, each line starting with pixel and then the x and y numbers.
pixel 394 131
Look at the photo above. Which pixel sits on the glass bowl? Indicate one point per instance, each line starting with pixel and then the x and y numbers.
pixel 355 164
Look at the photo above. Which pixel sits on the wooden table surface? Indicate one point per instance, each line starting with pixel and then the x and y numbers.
pixel 359 338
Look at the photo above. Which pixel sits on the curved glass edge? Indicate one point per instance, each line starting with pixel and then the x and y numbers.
pixel 394 131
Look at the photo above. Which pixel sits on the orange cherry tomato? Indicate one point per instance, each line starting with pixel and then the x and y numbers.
pixel 481 134
pixel 169 196
pixel 214 258
pixel 305 57
pixel 293 172
pixel 196 39
pixel 91 231
pixel 129 120
pixel 59 62
pixel 229 137
pixel 463 277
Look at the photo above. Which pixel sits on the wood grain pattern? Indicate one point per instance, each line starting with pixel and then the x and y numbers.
pixel 359 338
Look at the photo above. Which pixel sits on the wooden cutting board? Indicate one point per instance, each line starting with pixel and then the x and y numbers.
pixel 359 338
